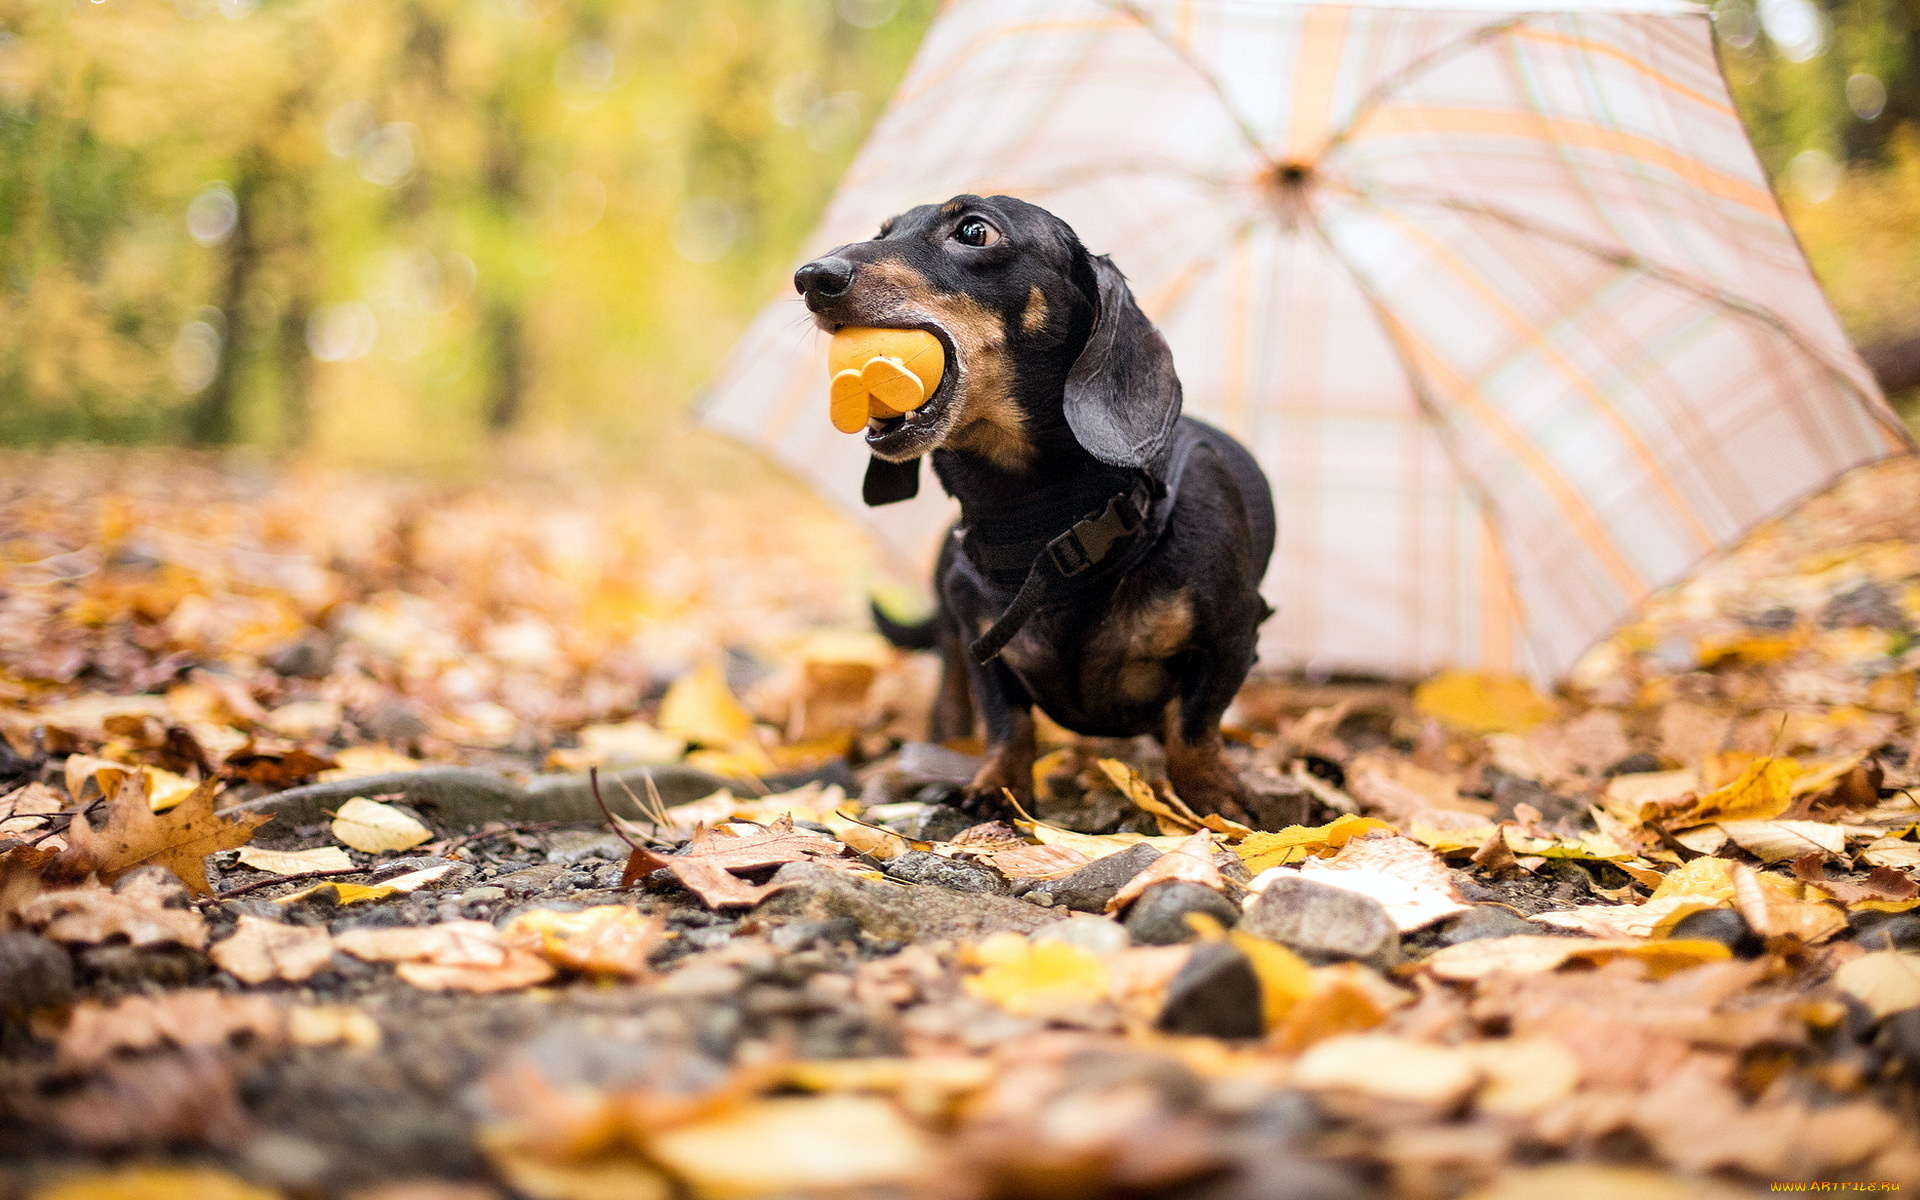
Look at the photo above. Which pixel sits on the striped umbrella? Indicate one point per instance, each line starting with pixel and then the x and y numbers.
pixel 1499 297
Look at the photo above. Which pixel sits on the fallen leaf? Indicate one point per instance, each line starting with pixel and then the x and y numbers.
pixel 1039 979
pixel 608 939
pixel 699 708
pixel 1477 702
pixel 1779 841
pixel 1036 862
pixel 260 950
pixel 343 893
pixel 375 828
pixel 27 809
pixel 1881 883
pixel 1897 853
pixel 1711 878
pixel 179 839
pixel 705 865
pixel 1259 851
pixel 1527 955
pixel 278 771
pixel 465 956
pixel 295 862
pixel 91 914
pixel 188 1018
pixel 1761 792
pixel 1388 1067
pixel 1777 907
pixel 1346 998
pixel 786 1145
pixel 1189 862
pixel 1651 919
pixel 1285 978
pixel 1174 817
pixel 1524 1076
pixel 1886 981
pixel 155 1183
pixel 1408 879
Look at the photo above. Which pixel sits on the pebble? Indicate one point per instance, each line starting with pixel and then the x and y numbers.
pixel 1159 916
pixel 34 973
pixel 895 911
pixel 1089 888
pixel 1725 926
pixel 1900 932
pixel 1323 923
pixel 132 968
pixel 1101 935
pixel 483 893
pixel 937 823
pixel 921 866
pixel 1484 921
pixel 533 879
pixel 1215 995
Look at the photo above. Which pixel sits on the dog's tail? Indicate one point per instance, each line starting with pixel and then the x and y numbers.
pixel 922 635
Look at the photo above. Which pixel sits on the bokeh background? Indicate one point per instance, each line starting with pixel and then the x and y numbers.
pixel 404 233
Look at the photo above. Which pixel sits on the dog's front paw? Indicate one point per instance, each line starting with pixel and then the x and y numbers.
pixel 1000 775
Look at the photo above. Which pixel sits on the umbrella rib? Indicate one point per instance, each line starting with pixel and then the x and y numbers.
pixel 1631 261
pixel 1377 95
pixel 1180 51
pixel 1436 420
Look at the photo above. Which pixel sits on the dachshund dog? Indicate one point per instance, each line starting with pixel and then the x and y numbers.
pixel 1108 558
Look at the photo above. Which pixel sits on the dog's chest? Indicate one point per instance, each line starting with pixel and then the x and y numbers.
pixel 1107 665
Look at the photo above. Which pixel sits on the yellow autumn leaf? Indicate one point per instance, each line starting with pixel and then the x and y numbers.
pixel 375 828
pixel 699 707
pixel 1036 979
pixel 1762 791
pixel 295 862
pixel 1886 981
pixel 1285 978
pixel 1709 877
pixel 344 893
pixel 1475 702
pixel 1260 851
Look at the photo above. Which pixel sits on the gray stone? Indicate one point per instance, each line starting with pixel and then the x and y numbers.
pixel 533 879
pixel 482 894
pixel 1159 916
pixel 1215 995
pixel 34 973
pixel 937 823
pixel 576 845
pixel 1101 935
pixel 895 911
pixel 1089 888
pixel 1731 930
pixel 921 866
pixel 1323 923
pixel 1484 921
pixel 465 798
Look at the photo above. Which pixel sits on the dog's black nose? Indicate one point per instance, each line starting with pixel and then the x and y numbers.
pixel 823 279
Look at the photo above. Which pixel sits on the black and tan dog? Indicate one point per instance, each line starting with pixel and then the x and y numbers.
pixel 1109 553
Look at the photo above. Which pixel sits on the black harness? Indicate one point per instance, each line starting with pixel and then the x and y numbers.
pixel 1056 542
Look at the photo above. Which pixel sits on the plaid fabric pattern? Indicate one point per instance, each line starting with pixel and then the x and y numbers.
pixel 1500 299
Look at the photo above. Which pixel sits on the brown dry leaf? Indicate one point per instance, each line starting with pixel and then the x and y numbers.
pixel 188 1097
pixel 26 809
pixel 1897 853
pixel 608 939
pixel 463 956
pixel 92 914
pixel 1408 879
pixel 260 950
pixel 705 866
pixel 1777 907
pixel 1881 883
pixel 1190 862
pixel 1410 795
pixel 189 1018
pixel 1651 919
pixel 1886 981
pixel 179 839
pixel 375 828
pixel 1037 862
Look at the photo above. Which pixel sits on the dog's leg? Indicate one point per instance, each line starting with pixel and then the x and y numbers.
pixel 1008 712
pixel 953 706
pixel 1196 756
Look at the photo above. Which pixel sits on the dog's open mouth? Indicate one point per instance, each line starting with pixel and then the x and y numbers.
pixel 890 436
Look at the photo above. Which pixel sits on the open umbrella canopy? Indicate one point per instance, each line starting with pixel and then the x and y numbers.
pixel 1500 298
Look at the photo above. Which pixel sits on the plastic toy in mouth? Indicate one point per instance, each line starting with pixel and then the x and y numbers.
pixel 881 373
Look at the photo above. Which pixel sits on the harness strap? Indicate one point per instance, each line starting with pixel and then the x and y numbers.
pixel 1085 544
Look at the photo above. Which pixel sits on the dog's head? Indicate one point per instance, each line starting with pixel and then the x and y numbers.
pixel 1044 343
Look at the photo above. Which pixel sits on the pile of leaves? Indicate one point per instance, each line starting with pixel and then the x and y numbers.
pixel 1655 935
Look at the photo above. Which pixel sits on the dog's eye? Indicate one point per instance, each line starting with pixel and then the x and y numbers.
pixel 975 232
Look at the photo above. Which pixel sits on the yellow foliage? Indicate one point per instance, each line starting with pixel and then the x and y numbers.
pixel 1762 791
pixel 1036 979
pixel 1474 702
pixel 699 708
pixel 1709 877
pixel 1260 851
pixel 1285 978
pixel 155 1183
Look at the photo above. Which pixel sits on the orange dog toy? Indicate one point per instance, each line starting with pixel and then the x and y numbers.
pixel 881 373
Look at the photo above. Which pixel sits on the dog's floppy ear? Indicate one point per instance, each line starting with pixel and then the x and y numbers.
pixel 1122 395
pixel 890 483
